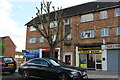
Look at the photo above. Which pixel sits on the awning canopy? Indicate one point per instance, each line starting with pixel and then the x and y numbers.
pixel 31 55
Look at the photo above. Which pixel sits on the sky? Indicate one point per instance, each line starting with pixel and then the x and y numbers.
pixel 14 14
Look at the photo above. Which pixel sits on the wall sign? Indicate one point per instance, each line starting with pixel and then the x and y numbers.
pixel 111 46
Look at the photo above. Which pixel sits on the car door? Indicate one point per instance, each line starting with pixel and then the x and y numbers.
pixel 33 67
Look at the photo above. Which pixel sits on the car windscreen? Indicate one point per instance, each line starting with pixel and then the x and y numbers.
pixel 7 60
pixel 54 63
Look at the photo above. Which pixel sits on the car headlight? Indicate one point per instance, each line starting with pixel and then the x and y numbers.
pixel 75 74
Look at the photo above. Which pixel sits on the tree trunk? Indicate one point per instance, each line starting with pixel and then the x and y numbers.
pixel 52 52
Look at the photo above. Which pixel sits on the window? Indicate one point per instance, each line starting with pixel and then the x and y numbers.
pixel 44 63
pixel 41 27
pixel 54 37
pixel 41 39
pixel 67 21
pixel 53 24
pixel 104 32
pixel 117 12
pixel 36 61
pixel 32 40
pixel 87 34
pixel 103 15
pixel 68 30
pixel 32 28
pixel 87 17
pixel 118 30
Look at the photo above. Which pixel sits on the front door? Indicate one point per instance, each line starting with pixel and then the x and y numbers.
pixel 91 61
pixel 98 61
pixel 68 59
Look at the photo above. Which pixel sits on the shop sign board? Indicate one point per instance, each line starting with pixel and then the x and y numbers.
pixel 111 46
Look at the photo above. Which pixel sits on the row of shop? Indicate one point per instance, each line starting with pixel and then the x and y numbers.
pixel 95 56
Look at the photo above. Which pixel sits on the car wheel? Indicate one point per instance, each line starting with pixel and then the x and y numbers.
pixel 26 74
pixel 63 77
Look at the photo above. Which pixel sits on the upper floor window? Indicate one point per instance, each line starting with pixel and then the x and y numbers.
pixel 32 28
pixel 32 40
pixel 41 39
pixel 103 15
pixel 68 30
pixel 117 12
pixel 41 27
pixel 118 31
pixel 87 34
pixel 54 37
pixel 67 21
pixel 87 17
pixel 104 32
pixel 53 24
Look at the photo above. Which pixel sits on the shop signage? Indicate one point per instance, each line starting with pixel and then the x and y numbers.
pixel 111 46
pixel 90 52
pixel 47 49
pixel 90 48
pixel 32 50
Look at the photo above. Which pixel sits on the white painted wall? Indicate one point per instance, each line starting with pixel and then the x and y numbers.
pixel 104 55
pixel 68 53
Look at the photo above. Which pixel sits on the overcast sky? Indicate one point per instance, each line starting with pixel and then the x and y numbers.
pixel 14 14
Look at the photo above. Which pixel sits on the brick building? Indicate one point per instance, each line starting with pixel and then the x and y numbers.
pixel 10 47
pixel 94 39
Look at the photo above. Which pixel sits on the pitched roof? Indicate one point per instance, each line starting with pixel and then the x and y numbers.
pixel 84 8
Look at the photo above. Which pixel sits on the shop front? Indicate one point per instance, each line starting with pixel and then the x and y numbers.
pixel 90 57
pixel 31 53
pixel 45 53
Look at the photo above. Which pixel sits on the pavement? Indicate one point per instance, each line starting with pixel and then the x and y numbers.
pixel 103 74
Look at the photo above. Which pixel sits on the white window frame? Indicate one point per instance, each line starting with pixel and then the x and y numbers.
pixel 118 30
pixel 84 34
pixel 117 12
pixel 41 27
pixel 32 40
pixel 53 24
pixel 32 28
pixel 41 39
pixel 67 21
pixel 86 17
pixel 54 37
pixel 103 15
pixel 104 32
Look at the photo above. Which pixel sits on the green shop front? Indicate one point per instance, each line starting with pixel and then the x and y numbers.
pixel 90 57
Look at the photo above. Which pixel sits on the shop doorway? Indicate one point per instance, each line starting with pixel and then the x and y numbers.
pixel 98 58
pixel 91 61
pixel 68 59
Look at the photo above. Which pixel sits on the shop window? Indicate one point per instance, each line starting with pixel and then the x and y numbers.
pixel 103 15
pixel 117 12
pixel 32 40
pixel 87 17
pixel 87 34
pixel 118 30
pixel 104 32
pixel 32 28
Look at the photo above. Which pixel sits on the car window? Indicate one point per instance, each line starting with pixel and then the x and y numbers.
pixel 37 61
pixel 8 59
pixel 44 63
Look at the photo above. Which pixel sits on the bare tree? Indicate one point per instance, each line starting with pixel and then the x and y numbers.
pixel 46 19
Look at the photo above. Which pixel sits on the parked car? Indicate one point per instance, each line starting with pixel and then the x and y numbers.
pixel 50 69
pixel 7 64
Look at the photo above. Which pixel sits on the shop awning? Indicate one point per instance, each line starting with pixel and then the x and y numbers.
pixel 31 55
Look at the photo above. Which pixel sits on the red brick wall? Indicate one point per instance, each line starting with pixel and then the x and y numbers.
pixel 111 22
pixel 10 48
